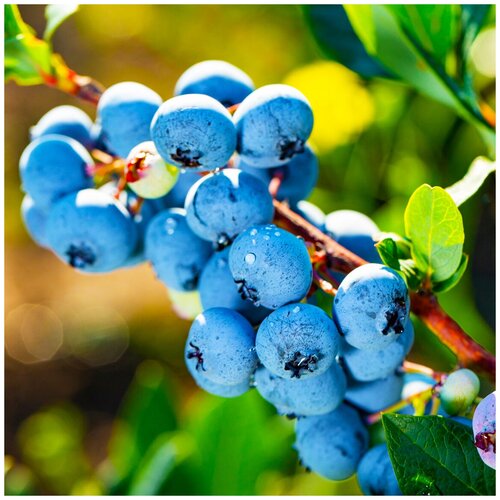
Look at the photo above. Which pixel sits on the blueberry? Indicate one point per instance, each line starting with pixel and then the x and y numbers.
pixel 221 205
pixel 125 111
pixel 52 167
pixel 305 396
pixel 484 428
pixel 459 391
pixel 194 131
pixel 297 341
pixel 371 306
pixel 221 390
pixel 218 79
pixel 299 176
pixel 270 265
pixel 311 213
pixel 273 124
pixel 375 473
pixel 376 395
pixel 354 231
pixel 35 221
pixel 176 197
pixel 65 120
pixel 91 231
pixel 217 289
pixel 146 172
pixel 178 256
pixel 365 365
pixel 332 445
pixel 221 345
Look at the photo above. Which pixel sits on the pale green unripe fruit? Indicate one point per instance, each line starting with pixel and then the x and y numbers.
pixel 459 391
pixel 147 174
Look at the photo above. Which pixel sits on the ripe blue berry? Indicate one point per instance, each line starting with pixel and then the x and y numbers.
pixel 221 345
pixel 217 289
pixel 355 231
pixel 459 391
pixel 176 197
pixel 371 306
pixel 194 131
pixel 178 256
pixel 297 341
pixel 484 428
pixel 91 231
pixel 273 124
pixel 375 473
pixel 218 79
pixel 125 111
pixel 52 167
pixel 65 120
pixel 221 205
pixel 311 213
pixel 270 265
pixel 303 397
pixel 35 220
pixel 332 445
pixel 221 390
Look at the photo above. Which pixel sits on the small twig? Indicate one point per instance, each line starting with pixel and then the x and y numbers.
pixel 411 367
pixel 325 285
pixel 275 183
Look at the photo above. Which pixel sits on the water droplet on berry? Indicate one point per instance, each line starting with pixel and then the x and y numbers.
pixel 277 233
pixel 253 232
pixel 170 225
pixel 250 258
pixel 254 242
pixel 266 237
pixel 296 309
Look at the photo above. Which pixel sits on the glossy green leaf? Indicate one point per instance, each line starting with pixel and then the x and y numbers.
pixel 433 455
pixel 56 14
pixel 479 170
pixel 434 225
pixel 444 286
pixel 335 35
pixel 388 252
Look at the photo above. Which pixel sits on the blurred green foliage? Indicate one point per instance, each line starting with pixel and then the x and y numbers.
pixel 72 425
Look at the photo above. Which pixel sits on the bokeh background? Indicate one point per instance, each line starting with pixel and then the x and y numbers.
pixel 94 367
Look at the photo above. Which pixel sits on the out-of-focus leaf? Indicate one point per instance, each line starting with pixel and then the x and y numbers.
pixel 432 455
pixel 147 413
pixel 334 33
pixel 238 440
pixel 434 225
pixel 56 14
pixel 159 462
pixel 479 170
pixel 444 286
pixel 473 17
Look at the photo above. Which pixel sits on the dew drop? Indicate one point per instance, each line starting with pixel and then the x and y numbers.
pixel 170 225
pixel 253 232
pixel 266 237
pixel 277 233
pixel 296 309
pixel 250 258
pixel 254 242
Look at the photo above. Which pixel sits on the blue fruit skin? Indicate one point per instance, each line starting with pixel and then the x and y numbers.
pixel 303 397
pixel 176 197
pixel 194 131
pixel 311 213
pixel 297 341
pixel 217 289
pixel 65 120
pixel 125 111
pixel 221 205
pixel 273 124
pixel 218 79
pixel 223 391
pixel 332 445
pixel 371 307
pixel 35 221
pixel 270 265
pixel 52 167
pixel 220 345
pixel 300 175
pixel 355 231
pixel 365 366
pixel 91 231
pixel 99 139
pixel 377 395
pixel 375 473
pixel 178 256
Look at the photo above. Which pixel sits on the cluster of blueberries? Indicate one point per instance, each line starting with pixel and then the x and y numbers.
pixel 202 175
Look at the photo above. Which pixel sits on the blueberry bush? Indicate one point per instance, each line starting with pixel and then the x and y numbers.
pixel 301 329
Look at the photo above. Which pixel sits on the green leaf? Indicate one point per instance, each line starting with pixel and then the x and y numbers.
pixel 435 27
pixel 433 455
pixel 472 17
pixel 56 14
pixel 152 473
pixel 479 170
pixel 335 35
pixel 444 286
pixel 411 273
pixel 388 252
pixel 434 225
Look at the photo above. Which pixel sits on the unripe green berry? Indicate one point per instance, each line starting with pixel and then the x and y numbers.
pixel 459 391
